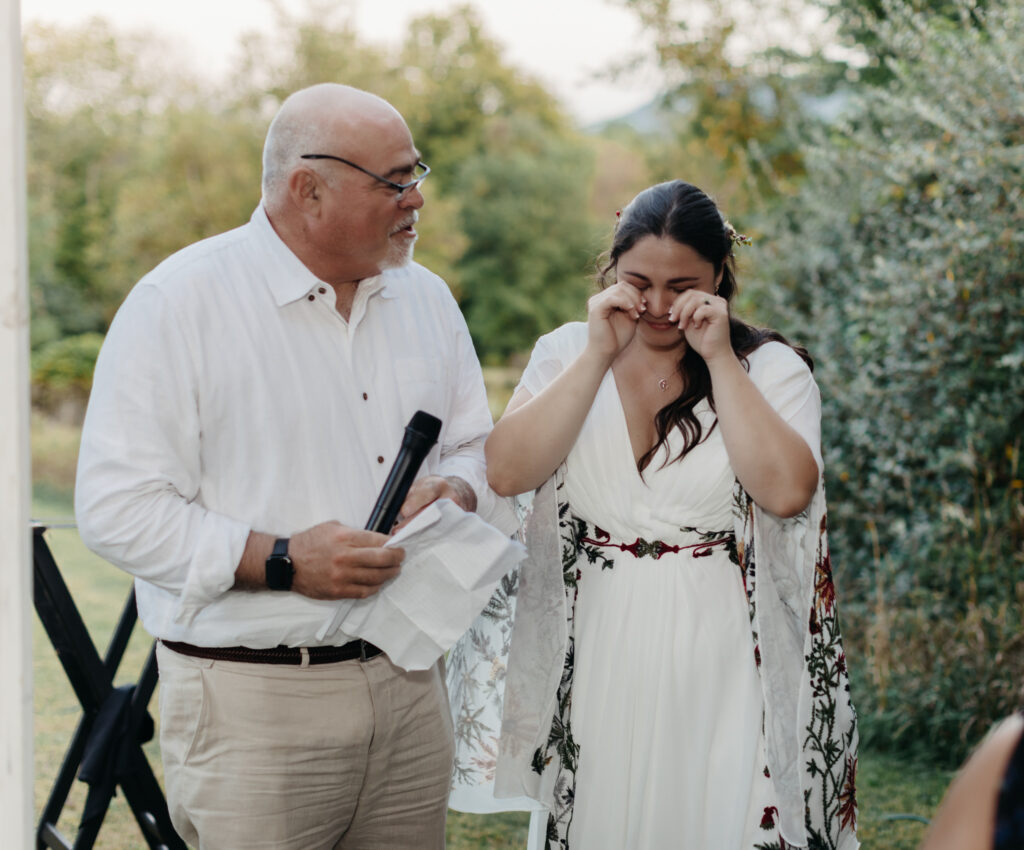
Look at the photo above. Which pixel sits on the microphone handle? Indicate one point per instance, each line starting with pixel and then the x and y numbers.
pixel 395 489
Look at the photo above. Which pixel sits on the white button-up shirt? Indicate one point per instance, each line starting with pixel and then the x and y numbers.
pixel 230 395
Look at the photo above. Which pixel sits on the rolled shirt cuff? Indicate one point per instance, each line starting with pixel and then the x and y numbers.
pixel 211 570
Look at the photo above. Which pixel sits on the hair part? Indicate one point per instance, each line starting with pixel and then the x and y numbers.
pixel 680 211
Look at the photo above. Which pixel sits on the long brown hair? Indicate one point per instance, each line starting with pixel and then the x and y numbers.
pixel 684 213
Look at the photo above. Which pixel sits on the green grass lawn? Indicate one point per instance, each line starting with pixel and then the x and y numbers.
pixel 887 787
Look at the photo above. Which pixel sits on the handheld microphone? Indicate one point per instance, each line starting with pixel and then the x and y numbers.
pixel 420 435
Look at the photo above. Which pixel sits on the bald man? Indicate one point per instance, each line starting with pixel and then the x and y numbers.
pixel 247 406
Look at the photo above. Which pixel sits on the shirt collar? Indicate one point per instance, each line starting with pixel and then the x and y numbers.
pixel 288 277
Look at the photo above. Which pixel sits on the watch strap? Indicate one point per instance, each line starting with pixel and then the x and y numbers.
pixel 279 570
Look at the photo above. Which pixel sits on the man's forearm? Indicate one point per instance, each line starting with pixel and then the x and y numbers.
pixel 464 495
pixel 251 571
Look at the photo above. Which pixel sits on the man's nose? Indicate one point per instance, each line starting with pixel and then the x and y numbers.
pixel 412 199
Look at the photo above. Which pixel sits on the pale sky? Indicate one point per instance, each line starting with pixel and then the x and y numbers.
pixel 562 42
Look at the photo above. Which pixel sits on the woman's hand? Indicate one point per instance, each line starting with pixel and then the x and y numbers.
pixel 612 315
pixel 704 320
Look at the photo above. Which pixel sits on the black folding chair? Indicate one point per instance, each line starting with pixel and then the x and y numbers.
pixel 106 750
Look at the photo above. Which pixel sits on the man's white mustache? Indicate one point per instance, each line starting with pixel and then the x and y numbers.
pixel 409 222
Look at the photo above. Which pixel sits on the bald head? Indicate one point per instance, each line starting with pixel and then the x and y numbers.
pixel 321 118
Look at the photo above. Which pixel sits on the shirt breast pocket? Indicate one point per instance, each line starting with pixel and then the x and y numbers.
pixel 422 385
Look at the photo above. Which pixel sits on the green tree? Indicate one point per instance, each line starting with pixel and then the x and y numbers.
pixel 457 84
pixel 523 203
pixel 86 94
pixel 455 88
pixel 129 160
pixel 315 45
pixel 736 99
pixel 858 23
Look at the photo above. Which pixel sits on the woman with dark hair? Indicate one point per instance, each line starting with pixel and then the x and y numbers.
pixel 670 690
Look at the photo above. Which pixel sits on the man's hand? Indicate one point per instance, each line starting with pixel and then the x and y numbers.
pixel 430 489
pixel 333 561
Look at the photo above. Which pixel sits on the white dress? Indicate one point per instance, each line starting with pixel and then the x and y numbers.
pixel 666 703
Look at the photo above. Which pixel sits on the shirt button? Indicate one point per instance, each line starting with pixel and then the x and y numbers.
pixel 365 396
pixel 312 298
pixel 321 290
pixel 380 459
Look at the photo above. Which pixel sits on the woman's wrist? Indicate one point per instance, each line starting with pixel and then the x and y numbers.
pixel 593 358
pixel 723 365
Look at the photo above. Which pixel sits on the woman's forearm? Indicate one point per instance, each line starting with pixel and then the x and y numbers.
pixel 771 460
pixel 536 433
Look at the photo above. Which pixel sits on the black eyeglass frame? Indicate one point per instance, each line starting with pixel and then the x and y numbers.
pixel 401 188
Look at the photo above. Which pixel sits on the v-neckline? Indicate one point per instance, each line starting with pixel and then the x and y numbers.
pixel 633 459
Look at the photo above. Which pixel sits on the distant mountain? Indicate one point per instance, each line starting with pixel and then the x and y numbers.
pixel 651 119
pixel 655 118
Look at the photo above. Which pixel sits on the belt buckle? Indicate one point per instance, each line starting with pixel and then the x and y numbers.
pixel 362 651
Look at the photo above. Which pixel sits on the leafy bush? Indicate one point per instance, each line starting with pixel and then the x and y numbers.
pixel 899 263
pixel 62 374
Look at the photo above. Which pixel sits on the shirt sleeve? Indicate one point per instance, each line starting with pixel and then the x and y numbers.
pixel 785 380
pixel 550 356
pixel 462 449
pixel 137 486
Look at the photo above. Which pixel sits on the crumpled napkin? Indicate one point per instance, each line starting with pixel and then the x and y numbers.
pixel 453 562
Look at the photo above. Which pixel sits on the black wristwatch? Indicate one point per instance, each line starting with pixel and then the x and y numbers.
pixel 279 566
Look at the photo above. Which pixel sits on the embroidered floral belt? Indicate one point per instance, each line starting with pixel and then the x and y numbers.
pixel 586 534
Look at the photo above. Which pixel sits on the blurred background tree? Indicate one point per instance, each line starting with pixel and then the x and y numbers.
pixel 522 269
pixel 742 80
pixel 859 23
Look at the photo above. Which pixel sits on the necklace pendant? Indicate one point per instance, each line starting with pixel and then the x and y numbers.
pixel 663 383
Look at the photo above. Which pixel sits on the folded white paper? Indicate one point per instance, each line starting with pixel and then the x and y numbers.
pixel 453 562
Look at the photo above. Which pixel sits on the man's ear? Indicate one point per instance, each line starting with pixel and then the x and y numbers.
pixel 304 189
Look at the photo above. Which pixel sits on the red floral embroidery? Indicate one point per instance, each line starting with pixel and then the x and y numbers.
pixel 824 588
pixel 848 796
pixel 768 818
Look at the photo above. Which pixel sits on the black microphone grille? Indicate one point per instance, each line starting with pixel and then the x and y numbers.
pixel 425 425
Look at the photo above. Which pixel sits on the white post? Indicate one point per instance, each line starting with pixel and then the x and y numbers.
pixel 15 491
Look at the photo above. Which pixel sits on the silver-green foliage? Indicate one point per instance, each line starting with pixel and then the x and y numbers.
pixel 900 264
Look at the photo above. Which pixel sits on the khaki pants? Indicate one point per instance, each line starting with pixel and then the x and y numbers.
pixel 346 756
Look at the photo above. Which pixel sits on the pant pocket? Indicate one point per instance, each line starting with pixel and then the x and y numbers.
pixel 184 706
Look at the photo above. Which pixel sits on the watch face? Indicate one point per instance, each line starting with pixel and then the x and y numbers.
pixel 279 572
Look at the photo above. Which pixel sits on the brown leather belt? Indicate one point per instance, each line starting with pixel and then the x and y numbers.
pixel 297 655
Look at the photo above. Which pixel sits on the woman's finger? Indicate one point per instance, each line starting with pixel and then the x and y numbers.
pixel 625 298
pixel 695 307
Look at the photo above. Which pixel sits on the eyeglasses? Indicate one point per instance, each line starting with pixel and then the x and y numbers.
pixel 420 171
